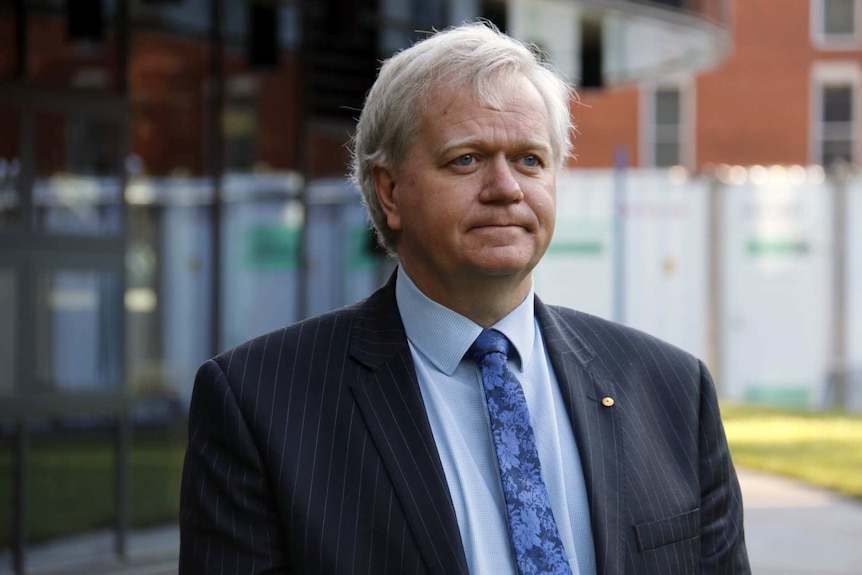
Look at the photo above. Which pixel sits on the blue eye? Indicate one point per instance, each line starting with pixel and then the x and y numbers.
pixel 531 161
pixel 465 160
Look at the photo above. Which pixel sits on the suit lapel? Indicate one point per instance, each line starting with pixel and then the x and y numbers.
pixel 391 403
pixel 596 430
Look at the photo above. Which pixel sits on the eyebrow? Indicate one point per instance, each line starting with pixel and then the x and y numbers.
pixel 474 142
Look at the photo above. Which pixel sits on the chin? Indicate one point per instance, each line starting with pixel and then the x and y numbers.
pixel 503 267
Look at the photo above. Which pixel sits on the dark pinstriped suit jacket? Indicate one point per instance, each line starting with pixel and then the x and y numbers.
pixel 310 452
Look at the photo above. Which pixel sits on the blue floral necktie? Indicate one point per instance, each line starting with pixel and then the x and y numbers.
pixel 532 529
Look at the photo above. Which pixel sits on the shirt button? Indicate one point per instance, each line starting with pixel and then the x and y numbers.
pixel 608 401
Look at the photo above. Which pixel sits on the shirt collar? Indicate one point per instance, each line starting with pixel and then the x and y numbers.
pixel 444 336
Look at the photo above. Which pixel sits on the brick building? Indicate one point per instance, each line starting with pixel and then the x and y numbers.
pixel 788 94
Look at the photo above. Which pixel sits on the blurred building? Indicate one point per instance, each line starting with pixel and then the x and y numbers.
pixel 789 93
pixel 172 183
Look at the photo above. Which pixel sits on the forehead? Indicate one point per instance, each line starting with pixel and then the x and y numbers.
pixel 510 101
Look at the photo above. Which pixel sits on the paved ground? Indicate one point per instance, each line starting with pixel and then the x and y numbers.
pixel 791 529
pixel 151 552
pixel 794 529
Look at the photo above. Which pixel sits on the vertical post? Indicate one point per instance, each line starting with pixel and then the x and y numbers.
pixel 215 163
pixel 124 431
pixel 715 278
pixel 123 481
pixel 25 329
pixel 20 8
pixel 302 158
pixel 838 370
pixel 19 498
pixel 621 162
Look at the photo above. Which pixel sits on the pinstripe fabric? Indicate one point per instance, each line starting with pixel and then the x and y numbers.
pixel 310 452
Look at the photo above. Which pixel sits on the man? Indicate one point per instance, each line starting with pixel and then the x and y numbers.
pixel 452 422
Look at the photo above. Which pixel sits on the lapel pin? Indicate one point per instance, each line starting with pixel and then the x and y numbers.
pixel 608 401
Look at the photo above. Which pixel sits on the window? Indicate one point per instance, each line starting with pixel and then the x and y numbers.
pixel 667 128
pixel 835 125
pixel 834 23
pixel 666 125
pixel 240 123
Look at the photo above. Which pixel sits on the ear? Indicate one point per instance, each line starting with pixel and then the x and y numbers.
pixel 384 184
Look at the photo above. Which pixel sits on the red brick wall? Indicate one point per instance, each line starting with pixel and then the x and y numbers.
pixel 167 86
pixel 751 109
pixel 605 121
pixel 167 78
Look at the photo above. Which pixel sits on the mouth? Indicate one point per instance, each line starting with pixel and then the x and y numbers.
pixel 501 227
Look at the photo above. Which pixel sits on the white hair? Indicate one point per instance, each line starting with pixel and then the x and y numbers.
pixel 475 56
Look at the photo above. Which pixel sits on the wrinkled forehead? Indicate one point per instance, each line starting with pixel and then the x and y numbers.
pixel 485 88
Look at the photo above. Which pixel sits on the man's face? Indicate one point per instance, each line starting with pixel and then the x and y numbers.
pixel 475 196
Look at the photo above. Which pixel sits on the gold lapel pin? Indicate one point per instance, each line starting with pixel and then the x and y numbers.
pixel 608 401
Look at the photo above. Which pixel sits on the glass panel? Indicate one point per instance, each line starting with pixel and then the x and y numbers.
pixel 157 464
pixel 840 17
pixel 168 112
pixel 75 191
pixel 71 478
pixel 77 319
pixel 8 347
pixel 72 51
pixel 6 475
pixel 667 103
pixel 8 50
pixel 10 167
pixel 240 122
pixel 404 19
pixel 837 103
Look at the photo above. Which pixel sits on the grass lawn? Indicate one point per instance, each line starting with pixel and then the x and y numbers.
pixel 823 449
pixel 71 484
pixel 71 478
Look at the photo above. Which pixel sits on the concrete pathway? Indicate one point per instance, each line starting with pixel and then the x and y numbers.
pixel 795 529
pixel 791 529
pixel 150 552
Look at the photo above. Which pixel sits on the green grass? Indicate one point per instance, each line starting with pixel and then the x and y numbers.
pixel 71 485
pixel 823 449
pixel 71 478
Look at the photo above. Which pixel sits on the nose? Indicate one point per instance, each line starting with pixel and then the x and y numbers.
pixel 500 184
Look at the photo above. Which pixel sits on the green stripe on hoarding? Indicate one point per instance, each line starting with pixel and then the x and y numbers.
pixel 791 395
pixel 271 247
pixel 577 248
pixel 359 242
pixel 784 247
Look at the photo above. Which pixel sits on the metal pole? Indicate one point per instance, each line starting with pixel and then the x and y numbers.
pixel 621 162
pixel 215 164
pixel 19 497
pixel 20 39
pixel 715 278
pixel 302 299
pixel 123 485
pixel 839 375
pixel 124 430
pixel 25 329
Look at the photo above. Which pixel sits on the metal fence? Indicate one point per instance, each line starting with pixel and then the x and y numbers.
pixel 757 270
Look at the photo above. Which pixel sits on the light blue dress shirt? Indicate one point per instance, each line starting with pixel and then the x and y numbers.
pixel 451 387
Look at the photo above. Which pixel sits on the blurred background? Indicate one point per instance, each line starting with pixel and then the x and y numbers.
pixel 172 183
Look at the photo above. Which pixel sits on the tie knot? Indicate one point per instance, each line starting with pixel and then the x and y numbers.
pixel 489 341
